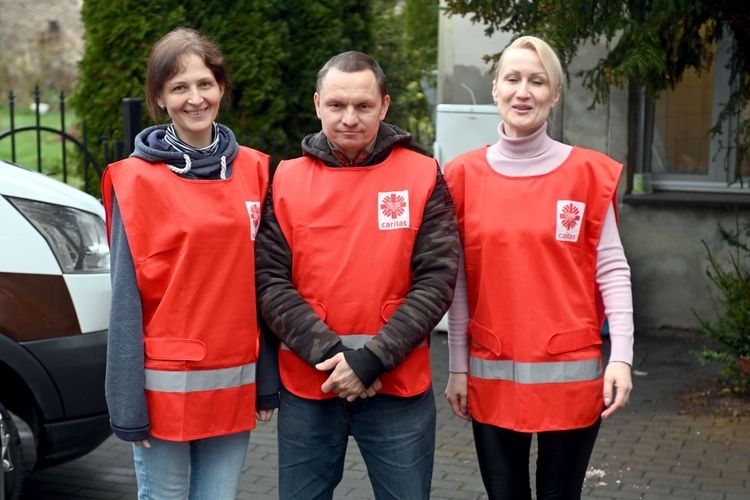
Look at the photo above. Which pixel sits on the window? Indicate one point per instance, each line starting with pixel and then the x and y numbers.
pixel 682 118
pixel 684 156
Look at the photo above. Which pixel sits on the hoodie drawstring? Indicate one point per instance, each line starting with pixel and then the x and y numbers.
pixel 184 170
pixel 188 165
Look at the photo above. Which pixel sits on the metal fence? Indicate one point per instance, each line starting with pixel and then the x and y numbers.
pixel 113 150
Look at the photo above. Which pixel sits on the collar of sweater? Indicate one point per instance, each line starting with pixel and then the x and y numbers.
pixel 530 146
pixel 533 155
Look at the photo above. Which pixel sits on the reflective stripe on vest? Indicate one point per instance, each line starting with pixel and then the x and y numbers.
pixel 536 373
pixel 355 341
pixel 200 380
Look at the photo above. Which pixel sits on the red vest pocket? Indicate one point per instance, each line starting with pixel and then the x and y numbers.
pixel 573 340
pixel 175 349
pixel 485 337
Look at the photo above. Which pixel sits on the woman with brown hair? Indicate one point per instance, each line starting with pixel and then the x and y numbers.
pixel 182 215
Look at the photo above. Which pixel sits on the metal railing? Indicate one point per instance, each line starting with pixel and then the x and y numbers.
pixel 66 138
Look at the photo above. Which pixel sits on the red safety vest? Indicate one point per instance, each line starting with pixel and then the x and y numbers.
pixel 535 311
pixel 192 243
pixel 351 231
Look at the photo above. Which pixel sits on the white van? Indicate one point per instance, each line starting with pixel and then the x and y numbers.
pixel 54 315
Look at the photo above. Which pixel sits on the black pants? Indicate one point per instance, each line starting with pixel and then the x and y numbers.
pixel 562 460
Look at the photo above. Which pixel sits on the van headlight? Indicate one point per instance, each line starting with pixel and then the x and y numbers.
pixel 77 238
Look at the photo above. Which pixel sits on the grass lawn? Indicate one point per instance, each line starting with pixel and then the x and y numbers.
pixel 48 158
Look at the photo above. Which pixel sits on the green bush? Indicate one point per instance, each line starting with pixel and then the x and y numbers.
pixel 404 61
pixel 732 302
pixel 317 32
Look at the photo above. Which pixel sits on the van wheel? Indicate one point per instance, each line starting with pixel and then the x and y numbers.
pixel 13 479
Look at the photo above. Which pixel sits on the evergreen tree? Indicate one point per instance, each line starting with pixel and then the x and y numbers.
pixel 407 64
pixel 421 19
pixel 253 36
pixel 317 32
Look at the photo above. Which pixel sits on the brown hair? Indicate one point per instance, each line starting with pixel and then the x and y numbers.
pixel 168 58
pixel 353 62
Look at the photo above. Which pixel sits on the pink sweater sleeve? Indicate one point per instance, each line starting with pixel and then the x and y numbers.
pixel 612 276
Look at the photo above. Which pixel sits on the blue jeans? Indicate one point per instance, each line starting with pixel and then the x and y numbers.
pixel 395 435
pixel 204 469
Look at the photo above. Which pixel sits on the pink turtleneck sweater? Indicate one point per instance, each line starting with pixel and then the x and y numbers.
pixel 538 154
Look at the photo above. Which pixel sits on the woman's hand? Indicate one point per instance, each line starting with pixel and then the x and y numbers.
pixel 456 394
pixel 618 382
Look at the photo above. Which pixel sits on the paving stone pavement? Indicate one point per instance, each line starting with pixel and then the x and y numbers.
pixel 647 451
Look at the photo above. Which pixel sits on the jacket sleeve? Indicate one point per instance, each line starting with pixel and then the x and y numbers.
pixel 268 379
pixel 434 265
pixel 281 306
pixel 125 377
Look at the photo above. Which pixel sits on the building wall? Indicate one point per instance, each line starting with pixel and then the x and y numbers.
pixel 668 262
pixel 41 42
pixel 663 245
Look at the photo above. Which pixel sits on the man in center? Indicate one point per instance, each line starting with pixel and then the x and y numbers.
pixel 356 264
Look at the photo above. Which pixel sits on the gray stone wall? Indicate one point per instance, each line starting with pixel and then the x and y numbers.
pixel 668 262
pixel 41 42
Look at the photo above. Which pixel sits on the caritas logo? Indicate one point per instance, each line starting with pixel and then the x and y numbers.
pixel 253 209
pixel 569 219
pixel 393 210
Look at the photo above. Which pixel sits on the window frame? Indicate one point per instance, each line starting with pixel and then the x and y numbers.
pixel 720 176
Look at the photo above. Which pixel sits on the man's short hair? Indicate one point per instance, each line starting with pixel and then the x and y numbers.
pixel 353 62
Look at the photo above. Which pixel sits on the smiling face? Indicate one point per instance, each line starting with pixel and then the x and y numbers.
pixel 523 92
pixel 192 99
pixel 350 108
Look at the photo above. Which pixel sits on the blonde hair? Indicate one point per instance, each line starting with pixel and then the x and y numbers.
pixel 547 56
